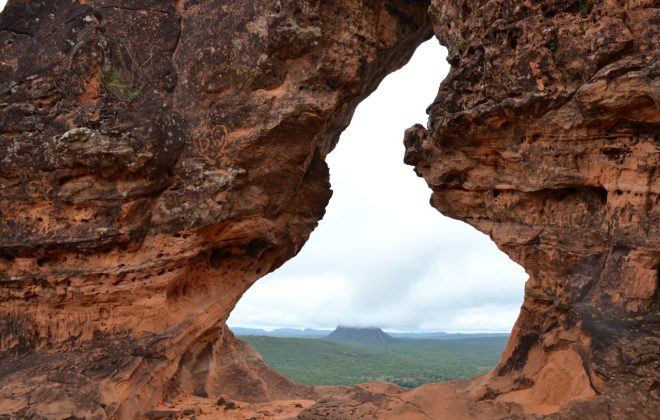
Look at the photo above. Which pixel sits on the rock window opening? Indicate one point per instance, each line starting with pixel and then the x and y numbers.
pixel 382 258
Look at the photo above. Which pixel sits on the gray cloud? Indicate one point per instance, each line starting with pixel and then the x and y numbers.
pixel 382 256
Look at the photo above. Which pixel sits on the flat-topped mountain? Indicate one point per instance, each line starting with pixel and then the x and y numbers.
pixel 361 336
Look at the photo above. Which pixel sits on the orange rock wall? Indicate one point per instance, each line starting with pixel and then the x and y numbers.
pixel 545 136
pixel 157 158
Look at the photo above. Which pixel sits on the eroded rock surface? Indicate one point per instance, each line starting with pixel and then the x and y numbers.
pixel 546 136
pixel 158 157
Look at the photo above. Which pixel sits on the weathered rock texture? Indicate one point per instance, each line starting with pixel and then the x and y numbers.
pixel 158 157
pixel 546 136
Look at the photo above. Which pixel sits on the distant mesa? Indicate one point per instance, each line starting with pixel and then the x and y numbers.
pixel 361 336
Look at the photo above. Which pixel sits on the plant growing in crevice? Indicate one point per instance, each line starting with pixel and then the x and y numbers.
pixel 119 86
pixel 133 95
pixel 585 6
pixel 461 46
pixel 124 78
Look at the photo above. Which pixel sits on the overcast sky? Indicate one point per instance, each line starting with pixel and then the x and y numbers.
pixel 382 256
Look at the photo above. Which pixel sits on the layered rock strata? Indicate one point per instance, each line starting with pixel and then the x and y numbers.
pixel 158 157
pixel 546 136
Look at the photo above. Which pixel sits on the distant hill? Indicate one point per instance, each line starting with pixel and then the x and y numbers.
pixel 314 333
pixel 444 335
pixel 361 336
pixel 282 332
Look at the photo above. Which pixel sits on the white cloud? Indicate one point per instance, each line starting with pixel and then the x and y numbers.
pixel 383 256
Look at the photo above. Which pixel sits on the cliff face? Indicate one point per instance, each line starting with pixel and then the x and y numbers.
pixel 545 135
pixel 158 157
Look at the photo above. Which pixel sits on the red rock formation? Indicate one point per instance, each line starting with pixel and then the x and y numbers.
pixel 545 135
pixel 158 157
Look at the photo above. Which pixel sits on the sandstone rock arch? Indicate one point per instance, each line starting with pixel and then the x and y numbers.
pixel 158 157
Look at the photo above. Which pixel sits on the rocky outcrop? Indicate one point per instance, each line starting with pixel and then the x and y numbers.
pixel 158 157
pixel 545 135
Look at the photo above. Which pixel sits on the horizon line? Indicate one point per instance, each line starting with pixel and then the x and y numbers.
pixel 392 330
